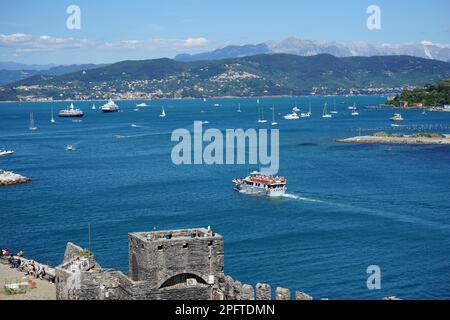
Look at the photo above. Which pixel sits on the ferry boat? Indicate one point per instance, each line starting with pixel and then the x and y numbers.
pixel 70 111
pixel 110 106
pixel 6 152
pixel 397 117
pixel 258 183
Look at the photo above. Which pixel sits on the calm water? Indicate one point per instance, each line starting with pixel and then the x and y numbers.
pixel 349 205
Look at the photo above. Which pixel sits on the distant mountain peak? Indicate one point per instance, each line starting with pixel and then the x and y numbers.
pixel 303 47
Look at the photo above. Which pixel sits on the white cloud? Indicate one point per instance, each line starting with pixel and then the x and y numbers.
pixel 29 43
pixel 14 38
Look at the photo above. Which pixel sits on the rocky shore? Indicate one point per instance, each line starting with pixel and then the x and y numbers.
pixel 9 178
pixel 405 139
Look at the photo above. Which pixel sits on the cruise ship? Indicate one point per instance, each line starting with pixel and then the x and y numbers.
pixel 258 183
pixel 71 112
pixel 110 106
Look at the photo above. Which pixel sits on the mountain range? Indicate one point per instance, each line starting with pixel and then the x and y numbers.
pixel 424 49
pixel 11 71
pixel 258 75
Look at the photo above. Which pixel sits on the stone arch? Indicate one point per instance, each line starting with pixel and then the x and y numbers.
pixel 181 278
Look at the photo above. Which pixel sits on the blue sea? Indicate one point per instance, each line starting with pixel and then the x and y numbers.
pixel 348 206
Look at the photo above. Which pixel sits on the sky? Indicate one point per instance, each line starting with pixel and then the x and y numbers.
pixel 35 31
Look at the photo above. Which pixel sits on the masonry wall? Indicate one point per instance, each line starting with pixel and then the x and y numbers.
pixel 161 260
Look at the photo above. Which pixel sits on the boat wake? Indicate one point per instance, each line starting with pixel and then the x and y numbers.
pixel 300 198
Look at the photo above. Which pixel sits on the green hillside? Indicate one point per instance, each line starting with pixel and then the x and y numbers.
pixel 430 95
pixel 267 74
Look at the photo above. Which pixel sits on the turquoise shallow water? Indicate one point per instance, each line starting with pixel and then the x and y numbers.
pixel 349 205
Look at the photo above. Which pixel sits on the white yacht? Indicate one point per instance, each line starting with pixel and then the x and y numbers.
pixel 143 104
pixel 291 116
pixel 325 113
pixel 32 125
pixel 71 112
pixel 397 117
pixel 69 147
pixel 258 183
pixel 5 152
pixel 110 106
pixel 163 113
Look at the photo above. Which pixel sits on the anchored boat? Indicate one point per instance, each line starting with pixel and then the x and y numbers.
pixel 397 117
pixel 258 183
pixel 6 152
pixel 71 112
pixel 110 106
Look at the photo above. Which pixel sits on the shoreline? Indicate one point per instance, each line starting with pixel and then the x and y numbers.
pixel 406 139
pixel 192 98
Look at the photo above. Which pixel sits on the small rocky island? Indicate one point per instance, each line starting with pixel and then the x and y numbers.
pixel 9 178
pixel 385 138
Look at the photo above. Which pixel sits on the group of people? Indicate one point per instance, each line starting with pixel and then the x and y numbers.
pixel 30 267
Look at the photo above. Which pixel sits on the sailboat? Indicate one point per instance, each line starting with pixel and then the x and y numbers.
pixel 52 120
pixel 334 110
pixel 163 113
pixel 239 108
pixel 274 123
pixel 94 107
pixel 306 114
pixel 355 112
pixel 32 125
pixel 325 113
pixel 261 116
pixel 424 111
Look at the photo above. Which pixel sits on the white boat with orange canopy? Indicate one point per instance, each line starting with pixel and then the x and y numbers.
pixel 258 183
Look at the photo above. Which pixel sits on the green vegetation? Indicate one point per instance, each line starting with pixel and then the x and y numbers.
pixel 259 75
pixel 388 135
pixel 430 95
pixel 428 135
pixel 416 135
pixel 85 253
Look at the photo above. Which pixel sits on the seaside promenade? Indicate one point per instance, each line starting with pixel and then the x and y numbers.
pixel 44 290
